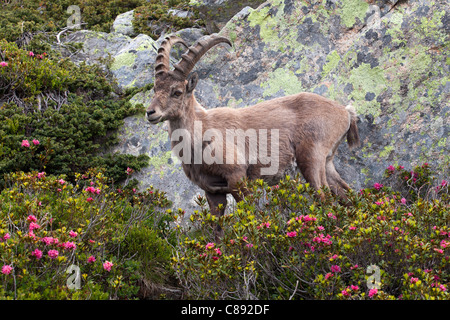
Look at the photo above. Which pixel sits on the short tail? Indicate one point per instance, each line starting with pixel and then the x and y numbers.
pixel 352 133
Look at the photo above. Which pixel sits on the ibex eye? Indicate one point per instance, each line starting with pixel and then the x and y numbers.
pixel 177 93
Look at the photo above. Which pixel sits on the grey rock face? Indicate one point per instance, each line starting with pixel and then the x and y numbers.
pixel 123 24
pixel 216 13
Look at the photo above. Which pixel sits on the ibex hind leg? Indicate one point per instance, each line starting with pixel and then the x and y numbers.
pixel 311 163
pixel 214 201
pixel 337 185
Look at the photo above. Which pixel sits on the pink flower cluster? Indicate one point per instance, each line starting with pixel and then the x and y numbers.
pixel 73 234
pixel 264 224
pixel 53 254
pixel 292 234
pixel 93 190
pixel 331 215
pixel 107 265
pixel 3 64
pixel 5 237
pixel 50 240
pixel 326 240
pixel 6 269
pixel 69 245
pixel 26 143
pixel 348 291
pixel 373 292
pixel 37 253
pixel 378 186
pixel 335 269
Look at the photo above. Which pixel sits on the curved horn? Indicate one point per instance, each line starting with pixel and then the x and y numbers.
pixel 162 62
pixel 194 53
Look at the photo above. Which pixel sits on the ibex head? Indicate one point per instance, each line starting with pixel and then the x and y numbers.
pixel 173 88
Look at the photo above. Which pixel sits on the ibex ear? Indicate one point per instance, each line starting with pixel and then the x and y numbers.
pixel 192 82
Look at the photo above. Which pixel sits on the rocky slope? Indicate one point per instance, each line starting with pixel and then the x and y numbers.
pixel 388 58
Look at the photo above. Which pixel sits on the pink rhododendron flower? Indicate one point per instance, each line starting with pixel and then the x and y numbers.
pixel 6 269
pixel 91 259
pixel 378 186
pixel 4 64
pixel 355 288
pixel 217 250
pixel 249 245
pixel 403 201
pixel 50 240
pixel 93 190
pixel 73 234
pixel 40 175
pixel 69 245
pixel 335 268
pixel 414 280
pixel 328 275
pixel 345 293
pixel 31 54
pixel 331 215
pixel 391 169
pixel 53 254
pixel 90 199
pixel 6 237
pixel 35 142
pixel 61 181
pixel 292 234
pixel 373 292
pixel 37 253
pixel 31 218
pixel 25 143
pixel 352 228
pixel 210 245
pixel 107 266
pixel 34 226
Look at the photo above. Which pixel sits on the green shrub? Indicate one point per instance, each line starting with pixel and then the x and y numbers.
pixel 21 21
pixel 281 243
pixel 47 225
pixel 69 112
pixel 154 19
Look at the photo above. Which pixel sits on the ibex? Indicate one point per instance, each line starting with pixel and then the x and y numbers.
pixel 308 130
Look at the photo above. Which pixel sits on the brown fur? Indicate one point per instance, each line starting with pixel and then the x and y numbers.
pixel 310 127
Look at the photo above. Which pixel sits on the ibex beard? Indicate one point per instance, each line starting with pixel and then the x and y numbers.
pixel 237 147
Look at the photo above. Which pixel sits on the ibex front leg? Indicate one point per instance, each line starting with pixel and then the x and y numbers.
pixel 214 201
